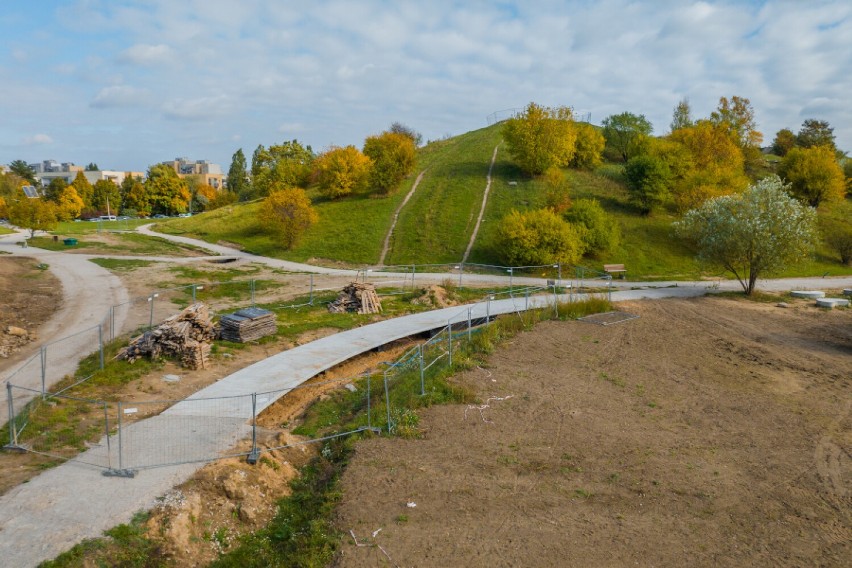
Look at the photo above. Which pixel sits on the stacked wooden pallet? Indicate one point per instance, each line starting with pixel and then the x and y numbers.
pixel 185 336
pixel 247 324
pixel 357 297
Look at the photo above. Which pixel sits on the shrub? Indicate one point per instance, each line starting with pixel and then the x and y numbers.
pixel 341 171
pixel 649 181
pixel 541 138
pixel 536 238
pixel 814 174
pixel 288 213
pixel 838 236
pixel 393 156
pixel 588 147
pixel 602 233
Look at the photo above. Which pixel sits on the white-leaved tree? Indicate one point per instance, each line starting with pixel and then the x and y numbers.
pixel 753 234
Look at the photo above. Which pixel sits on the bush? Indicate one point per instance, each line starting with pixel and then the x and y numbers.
pixel 288 213
pixel 602 233
pixel 588 147
pixel 393 156
pixel 649 181
pixel 814 175
pixel 838 236
pixel 541 138
pixel 539 237
pixel 341 171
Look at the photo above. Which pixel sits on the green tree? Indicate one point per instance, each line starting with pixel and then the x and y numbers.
pixel 681 116
pixel 588 147
pixel 536 238
pixel 106 196
pixel 238 180
pixel 394 156
pixel 541 138
pixel 814 174
pixel 624 132
pixel 167 193
pixel 21 169
pixel 33 214
pixel 816 133
pixel 784 141
pixel 649 182
pixel 341 171
pixel 753 234
pixel 134 197
pixel 287 212
pixel 54 189
pixel 289 163
pixel 602 233
pixel 92 167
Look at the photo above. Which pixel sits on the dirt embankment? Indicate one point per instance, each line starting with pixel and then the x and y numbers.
pixel 28 297
pixel 708 432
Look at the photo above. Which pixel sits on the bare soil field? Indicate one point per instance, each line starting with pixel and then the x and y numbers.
pixel 28 297
pixel 708 432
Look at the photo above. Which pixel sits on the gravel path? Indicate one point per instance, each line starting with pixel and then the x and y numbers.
pixel 88 291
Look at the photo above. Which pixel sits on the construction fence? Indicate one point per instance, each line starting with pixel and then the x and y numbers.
pixel 121 438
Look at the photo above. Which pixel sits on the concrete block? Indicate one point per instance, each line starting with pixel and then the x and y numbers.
pixel 832 303
pixel 809 294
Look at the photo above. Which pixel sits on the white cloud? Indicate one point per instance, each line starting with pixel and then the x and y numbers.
pixel 120 96
pixel 200 108
pixel 291 127
pixel 37 139
pixel 147 55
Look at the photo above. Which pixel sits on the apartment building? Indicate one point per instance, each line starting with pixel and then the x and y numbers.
pixel 206 171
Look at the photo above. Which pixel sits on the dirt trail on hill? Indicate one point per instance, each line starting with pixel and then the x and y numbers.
pixel 482 209
pixel 707 432
pixel 386 245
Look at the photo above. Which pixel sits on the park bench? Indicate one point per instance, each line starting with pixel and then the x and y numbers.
pixel 615 269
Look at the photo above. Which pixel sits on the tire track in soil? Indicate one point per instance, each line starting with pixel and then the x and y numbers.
pixel 482 210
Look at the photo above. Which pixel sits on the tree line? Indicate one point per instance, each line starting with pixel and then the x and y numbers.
pixel 704 169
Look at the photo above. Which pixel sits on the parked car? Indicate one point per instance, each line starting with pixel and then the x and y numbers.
pixel 159 216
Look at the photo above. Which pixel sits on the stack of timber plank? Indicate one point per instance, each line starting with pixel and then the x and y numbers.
pixel 356 297
pixel 247 324
pixel 186 336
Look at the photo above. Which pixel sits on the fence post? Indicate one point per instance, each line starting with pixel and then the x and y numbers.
pixel 120 457
pixel 468 325
pixel 387 400
pixel 43 371
pixel 413 271
pixel 311 298
pixel 461 272
pixel 13 435
pixel 151 316
pixel 526 300
pixel 488 310
pixel 369 414
pixel 106 434
pixel 254 454
pixel 252 292
pixel 555 303
pixel 422 381
pixel 111 319
pixel 101 343
pixel 450 342
pixel 609 287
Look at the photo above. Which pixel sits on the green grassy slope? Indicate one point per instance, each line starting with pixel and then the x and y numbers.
pixel 436 224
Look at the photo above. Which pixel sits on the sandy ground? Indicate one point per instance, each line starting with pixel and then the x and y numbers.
pixel 708 432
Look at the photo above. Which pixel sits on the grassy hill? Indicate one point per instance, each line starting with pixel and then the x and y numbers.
pixel 436 224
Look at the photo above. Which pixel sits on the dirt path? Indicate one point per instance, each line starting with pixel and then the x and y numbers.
pixel 386 245
pixel 482 209
pixel 88 291
pixel 708 432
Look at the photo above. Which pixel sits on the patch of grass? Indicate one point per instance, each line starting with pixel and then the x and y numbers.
pixel 120 265
pixel 89 227
pixel 124 545
pixel 5 230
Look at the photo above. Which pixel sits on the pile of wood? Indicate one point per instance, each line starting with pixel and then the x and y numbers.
pixel 355 297
pixel 248 324
pixel 186 336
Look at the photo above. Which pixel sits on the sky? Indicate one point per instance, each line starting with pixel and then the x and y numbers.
pixel 130 83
